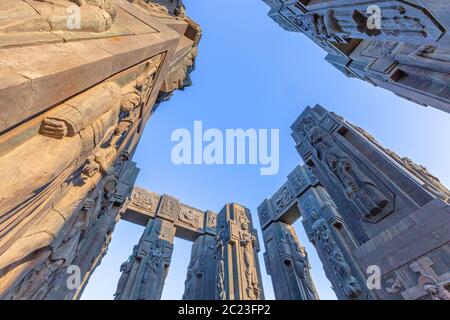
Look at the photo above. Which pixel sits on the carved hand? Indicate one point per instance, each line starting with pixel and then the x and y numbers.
pixel 53 128
pixel 88 204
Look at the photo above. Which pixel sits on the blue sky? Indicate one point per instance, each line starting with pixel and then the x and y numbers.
pixel 252 74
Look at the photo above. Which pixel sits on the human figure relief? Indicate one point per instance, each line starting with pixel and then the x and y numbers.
pixel 246 241
pixel 192 272
pixel 60 16
pixel 220 263
pixel 301 265
pixel 125 269
pixel 395 21
pixel 341 269
pixel 357 186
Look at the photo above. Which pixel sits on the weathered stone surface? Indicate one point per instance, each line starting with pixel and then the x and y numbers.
pixel 238 276
pixel 406 51
pixel 224 262
pixel 201 273
pixel 144 273
pixel 357 181
pixel 72 115
pixel 287 263
pixel 286 260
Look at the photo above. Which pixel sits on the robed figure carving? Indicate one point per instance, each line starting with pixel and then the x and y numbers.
pixel 357 186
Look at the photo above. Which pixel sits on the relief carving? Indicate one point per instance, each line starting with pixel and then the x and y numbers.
pixel 398 22
pixel 301 264
pixel 78 154
pixel 356 185
pixel 169 208
pixel 297 180
pixel 437 287
pixel 247 242
pixel 325 242
pixel 430 182
pixel 193 273
pixel 57 15
pixel 190 217
pixel 212 220
pixel 282 199
pixel 163 9
pixel 263 212
pixel 220 264
pixel 142 199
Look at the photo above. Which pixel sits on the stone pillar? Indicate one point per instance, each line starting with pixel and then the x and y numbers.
pixel 144 274
pixel 392 211
pixel 303 196
pixel 237 267
pixel 287 263
pixel 70 146
pixel 333 243
pixel 402 46
pixel 200 280
pixel 94 246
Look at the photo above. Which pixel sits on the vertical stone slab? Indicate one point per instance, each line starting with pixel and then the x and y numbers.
pixel 392 211
pixel 328 233
pixel 144 274
pixel 200 281
pixel 93 248
pixel 237 268
pixel 369 189
pixel 398 45
pixel 287 263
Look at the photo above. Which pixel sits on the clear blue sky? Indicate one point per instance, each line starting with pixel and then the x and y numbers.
pixel 252 74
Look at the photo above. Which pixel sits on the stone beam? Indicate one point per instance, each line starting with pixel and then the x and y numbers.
pixel 190 222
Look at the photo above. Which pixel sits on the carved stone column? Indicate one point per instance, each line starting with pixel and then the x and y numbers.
pixel 237 275
pixel 144 274
pixel 287 263
pixel 402 46
pixel 329 235
pixel 70 136
pixel 200 281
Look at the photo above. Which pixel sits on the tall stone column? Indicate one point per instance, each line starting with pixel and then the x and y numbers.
pixel 144 274
pixel 329 235
pixel 393 212
pixel 201 277
pixel 287 263
pixel 402 46
pixel 237 267
pixel 70 146
pixel 303 197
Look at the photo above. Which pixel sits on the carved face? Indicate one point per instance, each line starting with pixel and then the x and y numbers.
pixel 320 228
pixel 110 185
